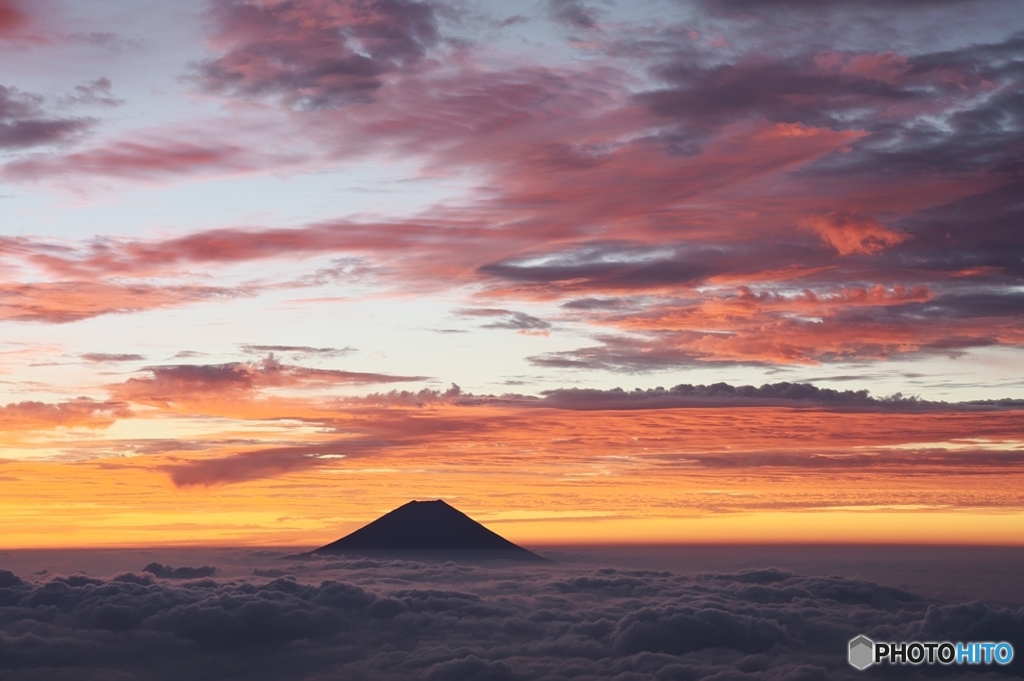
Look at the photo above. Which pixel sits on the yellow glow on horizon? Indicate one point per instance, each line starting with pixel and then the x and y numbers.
pixel 130 505
pixel 537 476
pixel 805 527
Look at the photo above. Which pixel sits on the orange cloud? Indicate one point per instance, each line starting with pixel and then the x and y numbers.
pixel 70 301
pixel 679 339
pixel 785 326
pixel 669 473
pixel 850 233
pixel 79 413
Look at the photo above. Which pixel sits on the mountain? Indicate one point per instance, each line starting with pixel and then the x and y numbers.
pixel 428 529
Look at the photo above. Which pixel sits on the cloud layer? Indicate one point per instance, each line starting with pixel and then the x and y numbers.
pixel 372 619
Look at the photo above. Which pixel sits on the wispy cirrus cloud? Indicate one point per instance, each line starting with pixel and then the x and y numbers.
pixel 189 384
pixel 135 160
pixel 98 92
pixel 297 350
pixel 508 319
pixel 62 302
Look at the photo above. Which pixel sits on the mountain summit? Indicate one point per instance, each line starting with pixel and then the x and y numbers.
pixel 428 529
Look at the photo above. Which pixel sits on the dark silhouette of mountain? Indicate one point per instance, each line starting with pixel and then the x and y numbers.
pixel 428 529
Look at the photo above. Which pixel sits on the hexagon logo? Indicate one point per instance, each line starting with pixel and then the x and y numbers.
pixel 862 652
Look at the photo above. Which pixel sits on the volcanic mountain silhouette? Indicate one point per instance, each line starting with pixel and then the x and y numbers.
pixel 428 529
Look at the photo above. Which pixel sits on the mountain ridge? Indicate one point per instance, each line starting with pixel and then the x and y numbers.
pixel 432 529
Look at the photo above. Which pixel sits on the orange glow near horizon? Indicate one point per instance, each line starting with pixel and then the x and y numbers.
pixel 539 476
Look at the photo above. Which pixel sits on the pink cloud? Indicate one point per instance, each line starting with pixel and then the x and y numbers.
pixel 79 413
pixel 688 336
pixel 12 17
pixel 132 160
pixel 314 54
pixel 853 234
pixel 663 198
pixel 70 301
pixel 887 67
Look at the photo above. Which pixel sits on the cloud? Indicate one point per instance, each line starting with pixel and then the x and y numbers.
pixel 63 302
pixel 405 398
pixel 101 357
pixel 781 201
pixel 722 394
pixel 887 67
pixel 782 91
pixel 96 92
pixel 312 54
pixel 136 160
pixel 169 384
pixel 787 425
pixel 78 413
pixel 520 321
pixel 24 124
pixel 268 462
pixel 572 13
pixel 785 325
pixel 168 572
pixel 885 95
pixel 12 17
pixel 405 620
pixel 227 246
pixel 854 234
pixel 106 39
pixel 298 350
pixel 610 267
pixel 192 384
pixel 770 6
pixel 779 341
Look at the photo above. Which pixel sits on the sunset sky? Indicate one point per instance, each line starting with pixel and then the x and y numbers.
pixel 589 270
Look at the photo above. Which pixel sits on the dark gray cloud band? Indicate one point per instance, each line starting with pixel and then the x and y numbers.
pixel 413 621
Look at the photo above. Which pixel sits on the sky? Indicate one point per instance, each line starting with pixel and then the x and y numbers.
pixel 589 270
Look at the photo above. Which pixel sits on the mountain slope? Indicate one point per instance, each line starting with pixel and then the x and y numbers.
pixel 429 527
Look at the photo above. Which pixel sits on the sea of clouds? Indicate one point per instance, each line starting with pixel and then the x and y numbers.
pixel 392 619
